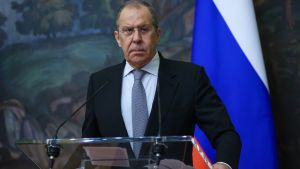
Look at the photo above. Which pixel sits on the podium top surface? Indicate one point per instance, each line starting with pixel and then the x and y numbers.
pixel 148 139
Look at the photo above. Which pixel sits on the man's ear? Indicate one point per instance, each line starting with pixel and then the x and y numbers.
pixel 116 33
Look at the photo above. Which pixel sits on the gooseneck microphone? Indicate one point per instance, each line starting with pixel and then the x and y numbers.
pixel 159 109
pixel 53 149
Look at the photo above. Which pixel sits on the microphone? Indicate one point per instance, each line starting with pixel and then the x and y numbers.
pixel 79 108
pixel 53 149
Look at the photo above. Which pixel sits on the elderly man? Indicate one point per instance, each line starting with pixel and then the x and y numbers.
pixel 128 106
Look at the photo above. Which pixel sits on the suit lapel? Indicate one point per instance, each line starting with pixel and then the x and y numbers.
pixel 115 113
pixel 167 83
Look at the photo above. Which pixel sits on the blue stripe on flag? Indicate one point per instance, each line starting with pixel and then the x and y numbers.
pixel 239 86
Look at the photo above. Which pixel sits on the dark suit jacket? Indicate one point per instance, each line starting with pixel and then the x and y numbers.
pixel 187 98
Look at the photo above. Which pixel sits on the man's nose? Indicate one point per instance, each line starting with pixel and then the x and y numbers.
pixel 137 36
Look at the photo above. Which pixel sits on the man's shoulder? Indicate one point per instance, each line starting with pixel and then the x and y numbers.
pixel 109 71
pixel 181 65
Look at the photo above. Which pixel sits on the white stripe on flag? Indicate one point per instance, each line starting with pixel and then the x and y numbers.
pixel 244 30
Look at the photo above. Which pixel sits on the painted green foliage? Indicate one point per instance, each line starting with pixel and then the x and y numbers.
pixel 3 34
pixel 44 17
pixel 99 13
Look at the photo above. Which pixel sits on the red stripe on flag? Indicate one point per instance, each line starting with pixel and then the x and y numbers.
pixel 198 161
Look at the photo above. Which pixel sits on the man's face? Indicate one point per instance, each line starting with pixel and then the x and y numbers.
pixel 137 36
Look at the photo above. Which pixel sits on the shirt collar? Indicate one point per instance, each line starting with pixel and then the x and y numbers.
pixel 151 67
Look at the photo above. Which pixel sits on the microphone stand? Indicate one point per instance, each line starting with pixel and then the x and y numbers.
pixel 158 147
pixel 53 149
pixel 158 152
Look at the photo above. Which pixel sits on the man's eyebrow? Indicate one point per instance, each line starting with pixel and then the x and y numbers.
pixel 144 25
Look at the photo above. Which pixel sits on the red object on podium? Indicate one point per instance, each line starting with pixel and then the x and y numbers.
pixel 200 161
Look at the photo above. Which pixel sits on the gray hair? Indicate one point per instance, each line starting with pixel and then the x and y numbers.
pixel 137 4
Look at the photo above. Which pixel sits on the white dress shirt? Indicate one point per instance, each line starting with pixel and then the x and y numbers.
pixel 149 82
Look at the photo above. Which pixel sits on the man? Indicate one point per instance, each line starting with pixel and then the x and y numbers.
pixel 186 96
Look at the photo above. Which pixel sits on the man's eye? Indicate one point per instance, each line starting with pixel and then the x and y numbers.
pixel 128 30
pixel 144 30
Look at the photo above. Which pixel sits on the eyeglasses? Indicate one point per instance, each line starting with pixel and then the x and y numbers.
pixel 128 31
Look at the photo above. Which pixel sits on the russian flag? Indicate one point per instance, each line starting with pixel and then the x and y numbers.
pixel 226 43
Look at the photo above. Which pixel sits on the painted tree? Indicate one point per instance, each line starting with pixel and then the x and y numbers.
pixel 99 14
pixel 172 18
pixel 44 17
pixel 3 34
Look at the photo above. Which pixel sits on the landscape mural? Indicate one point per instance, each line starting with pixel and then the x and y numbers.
pixel 48 49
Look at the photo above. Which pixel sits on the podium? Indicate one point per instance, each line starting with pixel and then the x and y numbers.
pixel 114 153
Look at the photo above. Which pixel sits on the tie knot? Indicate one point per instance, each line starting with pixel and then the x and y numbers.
pixel 138 74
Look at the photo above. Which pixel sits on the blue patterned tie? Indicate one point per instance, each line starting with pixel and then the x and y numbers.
pixel 139 109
